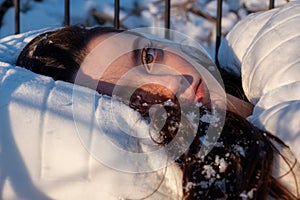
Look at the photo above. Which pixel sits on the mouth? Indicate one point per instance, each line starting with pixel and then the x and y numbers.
pixel 200 92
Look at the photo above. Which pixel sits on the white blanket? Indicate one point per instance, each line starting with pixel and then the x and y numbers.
pixel 60 141
pixel 264 49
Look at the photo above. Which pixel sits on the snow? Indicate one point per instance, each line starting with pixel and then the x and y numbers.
pixel 36 15
pixel 209 172
pixel 248 195
pixel 221 163
pixel 270 73
pixel 52 149
pixel 264 50
pixel 47 154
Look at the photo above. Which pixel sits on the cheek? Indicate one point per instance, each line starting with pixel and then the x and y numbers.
pixel 179 64
pixel 116 70
pixel 111 75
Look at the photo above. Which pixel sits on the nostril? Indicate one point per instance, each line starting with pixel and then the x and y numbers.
pixel 187 80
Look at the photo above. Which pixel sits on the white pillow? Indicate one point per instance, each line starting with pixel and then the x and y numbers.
pixel 272 58
pixel 264 49
pixel 60 141
pixel 238 40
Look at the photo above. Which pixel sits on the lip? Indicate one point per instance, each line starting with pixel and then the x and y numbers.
pixel 200 92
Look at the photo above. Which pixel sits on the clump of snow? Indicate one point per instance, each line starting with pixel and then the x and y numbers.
pixel 221 163
pixel 209 172
pixel 248 194
pixel 240 150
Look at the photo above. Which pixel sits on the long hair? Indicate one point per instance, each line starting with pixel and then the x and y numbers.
pixel 59 53
pixel 239 166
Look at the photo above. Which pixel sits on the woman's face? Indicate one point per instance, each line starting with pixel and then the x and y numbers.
pixel 122 64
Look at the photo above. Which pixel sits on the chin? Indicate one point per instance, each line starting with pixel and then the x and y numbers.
pixel 153 94
pixel 145 97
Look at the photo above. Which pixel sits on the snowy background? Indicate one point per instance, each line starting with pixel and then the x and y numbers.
pixel 185 15
pixel 34 107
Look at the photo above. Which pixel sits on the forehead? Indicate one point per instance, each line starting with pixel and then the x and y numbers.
pixel 110 40
pixel 107 48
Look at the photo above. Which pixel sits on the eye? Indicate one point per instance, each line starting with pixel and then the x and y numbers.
pixel 149 56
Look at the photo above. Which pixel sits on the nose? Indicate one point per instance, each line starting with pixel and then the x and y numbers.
pixel 187 80
pixel 172 83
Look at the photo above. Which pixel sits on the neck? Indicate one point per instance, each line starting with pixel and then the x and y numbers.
pixel 239 106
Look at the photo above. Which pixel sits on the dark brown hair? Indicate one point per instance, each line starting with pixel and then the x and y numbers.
pixel 247 153
pixel 59 53
pixel 239 165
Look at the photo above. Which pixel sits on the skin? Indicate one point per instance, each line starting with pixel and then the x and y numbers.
pixel 158 69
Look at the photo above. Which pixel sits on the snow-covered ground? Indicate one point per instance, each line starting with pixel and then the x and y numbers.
pixel 136 13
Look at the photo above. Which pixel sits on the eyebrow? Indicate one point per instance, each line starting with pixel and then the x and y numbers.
pixel 136 41
pixel 135 54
